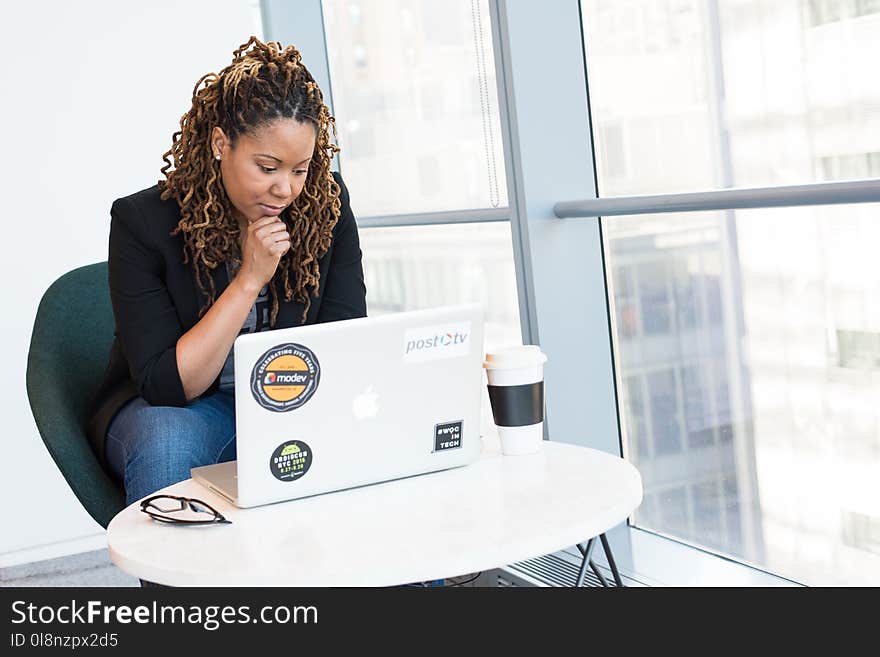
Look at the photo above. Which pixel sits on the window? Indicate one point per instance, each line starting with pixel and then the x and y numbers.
pixel 730 327
pixel 858 350
pixel 408 268
pixel 861 531
pixel 850 166
pixel 756 107
pixel 414 98
pixel 625 302
pixel 654 297
pixel 415 103
pixel 828 11
pixel 766 419
pixel 697 407
pixel 665 417
pixel 757 347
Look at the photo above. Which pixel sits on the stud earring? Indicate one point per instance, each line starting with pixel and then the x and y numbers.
pixel 217 156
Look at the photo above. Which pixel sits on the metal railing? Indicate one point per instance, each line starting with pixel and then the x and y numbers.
pixel 831 193
pixel 434 218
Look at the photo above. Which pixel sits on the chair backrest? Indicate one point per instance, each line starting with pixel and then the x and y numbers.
pixel 73 332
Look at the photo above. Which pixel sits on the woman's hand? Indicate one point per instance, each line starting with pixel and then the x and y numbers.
pixel 262 245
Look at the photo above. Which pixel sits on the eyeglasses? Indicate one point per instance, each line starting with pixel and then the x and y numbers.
pixel 182 510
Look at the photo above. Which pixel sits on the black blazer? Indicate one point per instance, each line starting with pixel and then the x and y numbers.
pixel 156 300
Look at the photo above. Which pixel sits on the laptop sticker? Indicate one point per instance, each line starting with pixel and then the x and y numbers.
pixel 285 377
pixel 291 460
pixel 436 342
pixel 447 435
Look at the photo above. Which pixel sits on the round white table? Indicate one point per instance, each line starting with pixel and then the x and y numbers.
pixel 496 511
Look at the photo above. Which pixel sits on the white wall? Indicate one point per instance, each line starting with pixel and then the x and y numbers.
pixel 91 93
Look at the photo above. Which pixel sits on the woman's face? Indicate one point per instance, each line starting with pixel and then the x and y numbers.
pixel 266 170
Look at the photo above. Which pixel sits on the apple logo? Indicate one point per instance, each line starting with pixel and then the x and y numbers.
pixel 366 404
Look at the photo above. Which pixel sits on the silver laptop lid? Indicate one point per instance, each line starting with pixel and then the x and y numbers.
pixel 342 404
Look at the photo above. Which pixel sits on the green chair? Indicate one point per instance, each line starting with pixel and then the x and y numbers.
pixel 70 344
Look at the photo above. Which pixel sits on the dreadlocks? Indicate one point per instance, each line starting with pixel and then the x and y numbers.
pixel 264 82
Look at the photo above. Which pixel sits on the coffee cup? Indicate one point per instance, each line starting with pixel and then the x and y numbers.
pixel 516 394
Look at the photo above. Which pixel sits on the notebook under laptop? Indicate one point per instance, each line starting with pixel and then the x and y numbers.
pixel 330 406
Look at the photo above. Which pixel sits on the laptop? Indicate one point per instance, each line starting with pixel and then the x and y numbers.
pixel 332 406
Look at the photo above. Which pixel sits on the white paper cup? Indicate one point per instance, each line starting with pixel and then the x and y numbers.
pixel 516 393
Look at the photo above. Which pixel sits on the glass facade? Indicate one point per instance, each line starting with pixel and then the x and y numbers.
pixel 415 102
pixel 746 345
pixel 413 267
pixel 748 356
pixel 746 342
pixel 700 94
pixel 416 107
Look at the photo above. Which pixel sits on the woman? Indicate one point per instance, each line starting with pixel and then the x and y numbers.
pixel 250 230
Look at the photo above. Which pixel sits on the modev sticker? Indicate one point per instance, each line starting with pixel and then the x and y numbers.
pixel 285 377
pixel 436 342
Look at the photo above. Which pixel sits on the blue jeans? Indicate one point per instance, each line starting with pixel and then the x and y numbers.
pixel 150 447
